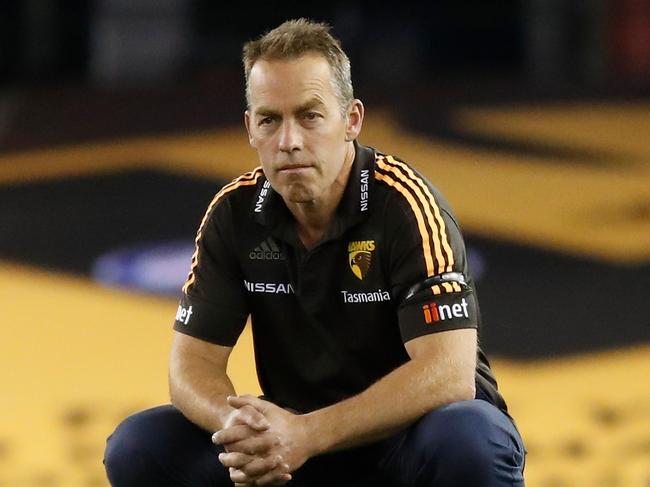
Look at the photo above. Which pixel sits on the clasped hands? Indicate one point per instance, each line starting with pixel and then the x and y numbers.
pixel 264 443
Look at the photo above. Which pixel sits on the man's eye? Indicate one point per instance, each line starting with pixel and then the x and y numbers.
pixel 311 115
pixel 265 121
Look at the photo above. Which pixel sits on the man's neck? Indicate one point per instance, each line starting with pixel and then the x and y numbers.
pixel 314 218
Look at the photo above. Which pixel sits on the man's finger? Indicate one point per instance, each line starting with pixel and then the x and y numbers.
pixel 252 417
pixel 235 459
pixel 239 478
pixel 261 466
pixel 233 434
pixel 259 444
pixel 279 476
pixel 247 399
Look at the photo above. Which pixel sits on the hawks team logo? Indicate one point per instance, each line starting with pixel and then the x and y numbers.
pixel 360 257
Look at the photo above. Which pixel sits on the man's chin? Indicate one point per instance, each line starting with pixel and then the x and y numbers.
pixel 299 195
pixel 302 200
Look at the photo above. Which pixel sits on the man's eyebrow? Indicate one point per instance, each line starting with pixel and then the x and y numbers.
pixel 265 112
pixel 312 103
pixel 308 105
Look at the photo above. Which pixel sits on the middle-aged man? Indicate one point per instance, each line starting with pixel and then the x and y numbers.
pixel 353 270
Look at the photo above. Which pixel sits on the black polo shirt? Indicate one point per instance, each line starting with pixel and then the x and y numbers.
pixel 329 321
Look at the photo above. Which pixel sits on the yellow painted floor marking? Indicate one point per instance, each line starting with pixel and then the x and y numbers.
pixel 76 358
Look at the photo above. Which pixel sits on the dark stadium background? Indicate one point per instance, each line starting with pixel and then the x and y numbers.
pixel 87 76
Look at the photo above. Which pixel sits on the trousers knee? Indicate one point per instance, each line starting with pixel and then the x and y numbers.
pixel 126 461
pixel 459 444
pixel 161 447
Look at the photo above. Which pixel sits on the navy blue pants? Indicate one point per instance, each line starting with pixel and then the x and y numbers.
pixel 469 443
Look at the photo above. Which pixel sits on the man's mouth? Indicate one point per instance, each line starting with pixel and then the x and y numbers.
pixel 294 168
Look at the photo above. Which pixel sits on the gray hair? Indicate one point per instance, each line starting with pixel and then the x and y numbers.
pixel 295 38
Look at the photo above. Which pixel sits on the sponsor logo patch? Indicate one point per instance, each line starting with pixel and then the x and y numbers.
pixel 262 196
pixel 434 312
pixel 266 250
pixel 370 297
pixel 363 200
pixel 269 287
pixel 183 315
pixel 360 257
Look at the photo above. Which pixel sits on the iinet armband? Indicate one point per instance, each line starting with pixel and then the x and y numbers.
pixel 449 281
pixel 439 303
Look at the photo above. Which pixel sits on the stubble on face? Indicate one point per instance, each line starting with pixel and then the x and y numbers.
pixel 299 192
pixel 282 87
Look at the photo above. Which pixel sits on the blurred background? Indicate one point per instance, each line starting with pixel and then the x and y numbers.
pixel 120 119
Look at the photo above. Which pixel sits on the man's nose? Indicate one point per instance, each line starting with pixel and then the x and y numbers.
pixel 290 137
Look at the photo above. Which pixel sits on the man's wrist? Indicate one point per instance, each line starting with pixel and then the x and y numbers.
pixel 317 437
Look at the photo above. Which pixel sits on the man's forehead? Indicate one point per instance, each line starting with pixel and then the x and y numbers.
pixel 305 80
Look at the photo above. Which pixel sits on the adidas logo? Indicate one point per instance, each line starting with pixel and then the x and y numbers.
pixel 267 250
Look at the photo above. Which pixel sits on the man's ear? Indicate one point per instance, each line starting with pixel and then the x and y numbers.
pixel 247 121
pixel 354 120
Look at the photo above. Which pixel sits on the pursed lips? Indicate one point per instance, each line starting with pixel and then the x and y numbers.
pixel 294 168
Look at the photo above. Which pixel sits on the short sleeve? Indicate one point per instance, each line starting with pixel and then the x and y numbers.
pixel 212 305
pixel 428 269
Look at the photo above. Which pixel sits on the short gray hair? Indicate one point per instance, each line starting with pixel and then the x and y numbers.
pixel 296 38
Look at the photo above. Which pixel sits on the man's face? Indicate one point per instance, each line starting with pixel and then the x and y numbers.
pixel 295 123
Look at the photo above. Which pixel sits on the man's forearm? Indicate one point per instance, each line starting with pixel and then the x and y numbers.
pixel 200 393
pixel 389 405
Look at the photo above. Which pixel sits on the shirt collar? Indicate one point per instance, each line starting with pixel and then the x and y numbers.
pixel 268 207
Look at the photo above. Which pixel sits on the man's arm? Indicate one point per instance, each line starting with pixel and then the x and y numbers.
pixel 441 371
pixel 199 386
pixel 198 383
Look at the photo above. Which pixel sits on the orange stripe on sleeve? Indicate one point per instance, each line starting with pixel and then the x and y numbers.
pixel 426 246
pixel 248 179
pixel 440 259
pixel 436 209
